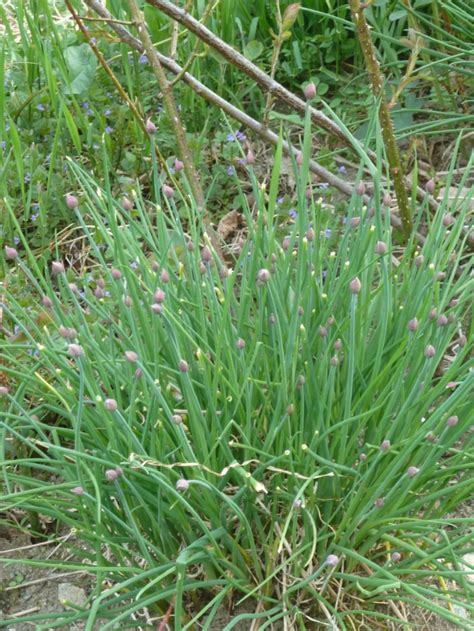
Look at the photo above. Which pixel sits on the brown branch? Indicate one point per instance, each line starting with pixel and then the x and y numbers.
pixel 388 134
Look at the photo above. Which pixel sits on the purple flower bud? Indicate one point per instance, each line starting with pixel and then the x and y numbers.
pixel 250 158
pixel 240 343
pixel 155 266
pixel 452 421
pixel 127 204
pixel 131 356
pixel 127 301
pixel 138 373
pixel 440 275
pixel 297 504
pixel 432 314
pixel 332 560
pixel 285 244
pixel 387 200
pixel 310 234
pixel 190 246
pixel 57 267
pixel 380 247
pixel 206 254
pixel 430 351
pixel 178 165
pixel 419 260
pixel 310 91
pixel 385 446
pixel 150 127
pixel 330 321
pixel 116 273
pixel 355 285
pixel 263 276
pixel 442 320
pixel 323 331
pixel 99 292
pixel 159 296
pixel 111 405
pixel 412 471
pixel 334 361
pixel 448 219
pixel 182 485
pixel 66 333
pixel 164 276
pixel 47 302
pixel 183 365
pixel 10 253
pixel 396 556
pixel 157 308
pixel 111 475
pixel 379 502
pixel 413 324
pixel 177 419
pixel 78 490
pixel 71 201
pixel 4 391
pixel 74 288
pixel 430 437
pixel 168 191
pixel 430 186
pixel 338 344
pixel 202 267
pixel 360 188
pixel 299 158
pixel 354 222
pixel 75 350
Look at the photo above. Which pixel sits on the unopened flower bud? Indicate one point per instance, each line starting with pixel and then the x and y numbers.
pixel 396 556
pixel 263 276
pixel 250 158
pixel 430 186
pixel 285 244
pixel 332 560
pixel 442 320
pixel 178 165
pixel 360 188
pixel 310 91
pixel 355 285
pixel 310 234
pixel 338 344
pixel 99 292
pixel 127 301
pixel 379 502
pixel 323 331
pixel 131 356
pixel 354 222
pixel 159 296
pixel 10 253
pixel 290 15
pixel 164 276
pixel 75 350
pixel 177 419
pixel 4 391
pixel 157 308
pixel 127 204
pixel 168 191
pixel 448 219
pixel 111 475
pixel 78 490
pixel 290 409
pixel 299 158
pixel 432 314
pixel 150 127
pixel 111 405
pixel 183 365
pixel 387 200
pixel 240 343
pixel 116 274
pixel 430 351
pixel 182 485
pixel 334 361
pixel 380 247
pixel 57 267
pixel 385 446
pixel 413 324
pixel 452 421
pixel 71 201
pixel 206 254
pixel 47 302
pixel 412 471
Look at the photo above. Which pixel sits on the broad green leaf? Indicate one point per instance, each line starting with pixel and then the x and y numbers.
pixel 82 64
pixel 253 49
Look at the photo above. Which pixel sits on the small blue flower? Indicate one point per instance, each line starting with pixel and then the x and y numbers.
pixel 293 214
pixel 107 112
pixel 3 144
pixel 241 161
pixel 27 178
pixel 342 169
pixel 327 233
pixel 108 129
pixel 134 264
pixel 85 105
pixel 230 170
pixel 16 240
pixel 95 146
pixel 230 137
pixel 240 136
pixel 90 112
pixel 345 220
pixel 143 59
pixel 40 107
pixel 280 200
pixel 324 185
pixel 94 40
pixel 34 216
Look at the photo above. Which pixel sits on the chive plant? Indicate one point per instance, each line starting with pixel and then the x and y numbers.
pixel 286 431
